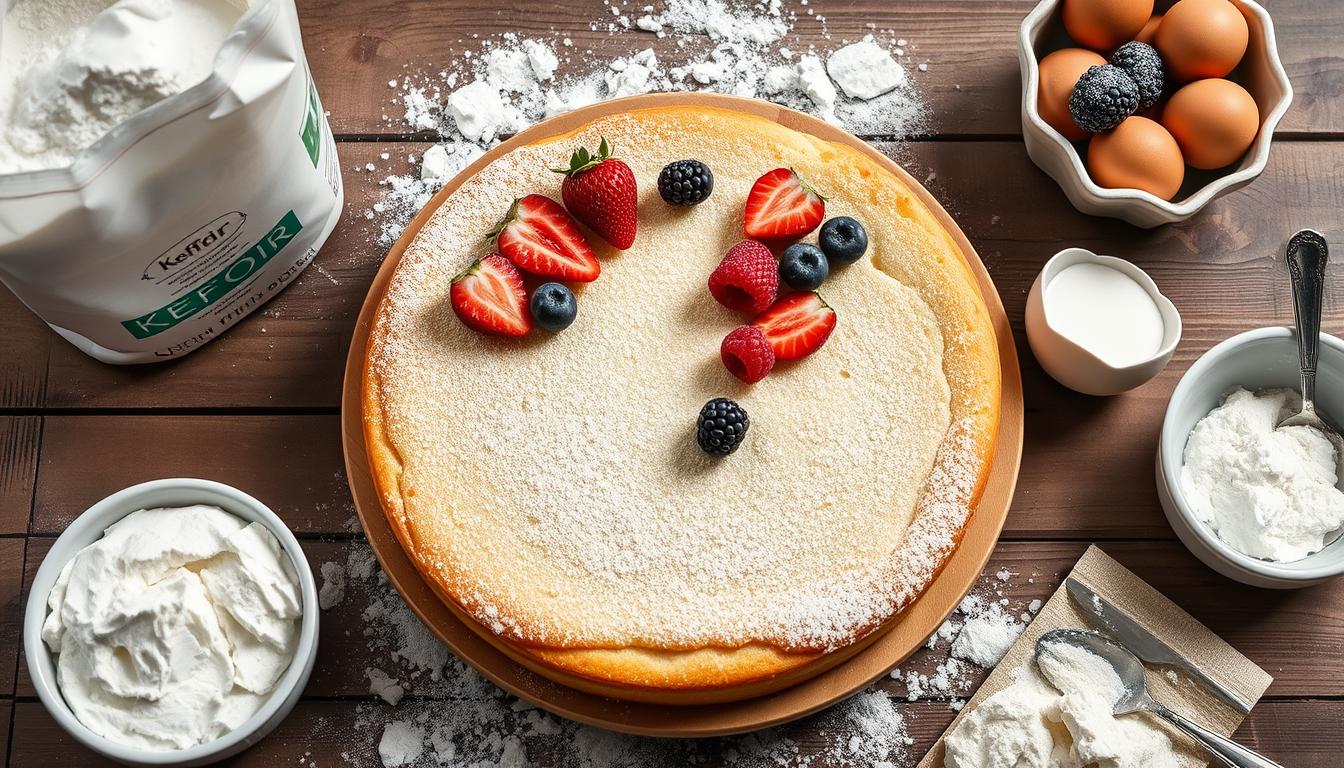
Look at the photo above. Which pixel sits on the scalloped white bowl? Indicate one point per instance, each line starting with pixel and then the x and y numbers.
pixel 1261 73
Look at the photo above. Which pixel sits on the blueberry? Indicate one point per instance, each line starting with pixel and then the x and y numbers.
pixel 843 240
pixel 553 306
pixel 803 267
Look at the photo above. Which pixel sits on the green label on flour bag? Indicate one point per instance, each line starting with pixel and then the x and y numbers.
pixel 218 286
pixel 311 132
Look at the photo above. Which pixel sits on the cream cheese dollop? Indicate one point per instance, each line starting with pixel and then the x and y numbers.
pixel 171 629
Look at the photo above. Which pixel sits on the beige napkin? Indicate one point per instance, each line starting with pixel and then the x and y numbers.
pixel 1164 619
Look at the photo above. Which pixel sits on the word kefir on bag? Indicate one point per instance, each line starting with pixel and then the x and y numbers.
pixel 165 167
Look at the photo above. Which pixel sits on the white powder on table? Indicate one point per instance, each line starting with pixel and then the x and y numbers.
pixel 489 93
pixel 1058 715
pixel 988 633
pixel 71 70
pixel 1269 493
pixel 332 592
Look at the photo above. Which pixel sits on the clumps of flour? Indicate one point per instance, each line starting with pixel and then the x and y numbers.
pixel 427 708
pixel 723 46
pixel 975 638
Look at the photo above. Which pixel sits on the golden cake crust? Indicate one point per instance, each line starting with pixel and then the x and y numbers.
pixel 913 258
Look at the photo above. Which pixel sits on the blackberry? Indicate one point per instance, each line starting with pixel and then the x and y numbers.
pixel 685 182
pixel 1142 63
pixel 1104 96
pixel 721 426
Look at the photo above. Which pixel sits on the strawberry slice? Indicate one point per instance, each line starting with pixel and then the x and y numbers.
pixel 489 296
pixel 781 205
pixel 539 236
pixel 797 325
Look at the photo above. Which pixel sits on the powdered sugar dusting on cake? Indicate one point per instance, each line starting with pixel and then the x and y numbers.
pixel 616 503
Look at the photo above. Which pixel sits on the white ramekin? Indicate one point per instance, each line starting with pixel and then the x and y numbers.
pixel 1261 73
pixel 88 528
pixel 1258 359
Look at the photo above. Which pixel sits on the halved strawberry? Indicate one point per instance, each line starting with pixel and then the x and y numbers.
pixel 489 296
pixel 781 205
pixel 539 236
pixel 797 325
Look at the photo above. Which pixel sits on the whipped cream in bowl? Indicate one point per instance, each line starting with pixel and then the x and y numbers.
pixel 173 623
pixel 1257 504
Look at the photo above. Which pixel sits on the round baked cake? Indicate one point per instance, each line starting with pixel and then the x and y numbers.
pixel 551 489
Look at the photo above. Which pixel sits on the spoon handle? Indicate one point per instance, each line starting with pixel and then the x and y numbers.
pixel 1306 256
pixel 1226 750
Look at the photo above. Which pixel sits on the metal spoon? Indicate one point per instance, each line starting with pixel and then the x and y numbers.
pixel 1307 255
pixel 1130 670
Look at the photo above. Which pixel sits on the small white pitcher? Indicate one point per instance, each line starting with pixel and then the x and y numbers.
pixel 1070 363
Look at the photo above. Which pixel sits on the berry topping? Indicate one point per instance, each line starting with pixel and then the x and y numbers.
pixel 685 182
pixel 1142 63
pixel 553 306
pixel 721 427
pixel 600 191
pixel 746 354
pixel 540 237
pixel 843 240
pixel 782 206
pixel 797 326
pixel 747 279
pixel 803 266
pixel 1104 96
pixel 489 296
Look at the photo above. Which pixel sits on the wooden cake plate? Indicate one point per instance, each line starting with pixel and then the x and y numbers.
pixel 855 667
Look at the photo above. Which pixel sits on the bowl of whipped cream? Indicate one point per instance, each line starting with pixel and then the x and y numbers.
pixel 1256 503
pixel 173 623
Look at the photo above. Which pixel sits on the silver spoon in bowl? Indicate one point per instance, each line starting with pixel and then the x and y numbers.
pixel 1135 697
pixel 1307 255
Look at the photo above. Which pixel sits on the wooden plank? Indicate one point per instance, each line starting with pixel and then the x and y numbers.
pixel 971 84
pixel 334 733
pixel 20 437
pixel 292 464
pixel 11 611
pixel 25 342
pixel 1297 636
pixel 1221 268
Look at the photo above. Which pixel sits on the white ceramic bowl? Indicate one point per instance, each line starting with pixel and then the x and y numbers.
pixel 1259 359
pixel 1260 72
pixel 1075 366
pixel 88 528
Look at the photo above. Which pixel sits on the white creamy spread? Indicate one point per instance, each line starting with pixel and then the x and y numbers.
pixel 1269 493
pixel 172 628
pixel 1063 723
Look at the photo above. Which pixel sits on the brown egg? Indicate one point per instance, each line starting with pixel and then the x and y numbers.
pixel 1149 31
pixel 1059 73
pixel 1213 120
pixel 1105 24
pixel 1202 38
pixel 1137 154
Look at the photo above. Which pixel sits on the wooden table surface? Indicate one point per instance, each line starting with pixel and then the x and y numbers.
pixel 258 408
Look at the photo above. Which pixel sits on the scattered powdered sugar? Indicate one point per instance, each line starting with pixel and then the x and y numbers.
pixel 988 632
pixel 510 83
pixel 452 716
pixel 332 592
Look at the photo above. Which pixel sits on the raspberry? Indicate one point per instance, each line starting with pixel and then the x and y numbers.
pixel 747 279
pixel 747 354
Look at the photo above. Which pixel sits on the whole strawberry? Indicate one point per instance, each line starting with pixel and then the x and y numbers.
pixel 599 190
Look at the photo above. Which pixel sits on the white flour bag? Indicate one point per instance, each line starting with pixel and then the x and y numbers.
pixel 165 167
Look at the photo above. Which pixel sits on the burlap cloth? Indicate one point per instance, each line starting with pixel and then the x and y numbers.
pixel 1163 618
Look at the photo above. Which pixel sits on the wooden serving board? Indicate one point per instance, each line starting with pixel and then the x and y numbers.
pixel 857 666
